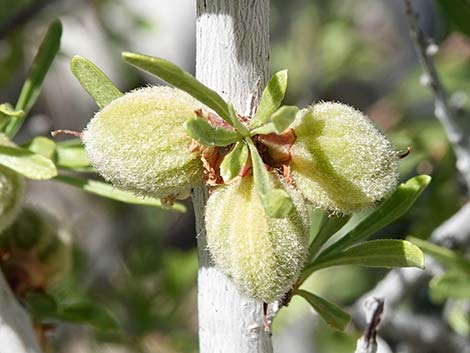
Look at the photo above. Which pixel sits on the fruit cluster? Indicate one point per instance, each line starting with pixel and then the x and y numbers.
pixel 264 171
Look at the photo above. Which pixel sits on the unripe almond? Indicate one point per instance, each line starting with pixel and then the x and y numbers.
pixel 262 255
pixel 340 161
pixel 138 142
pixel 38 250
pixel 11 191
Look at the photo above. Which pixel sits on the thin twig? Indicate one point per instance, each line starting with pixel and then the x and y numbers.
pixel 457 129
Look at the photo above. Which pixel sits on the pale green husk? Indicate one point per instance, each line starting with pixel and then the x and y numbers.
pixel 262 255
pixel 11 191
pixel 138 143
pixel 340 161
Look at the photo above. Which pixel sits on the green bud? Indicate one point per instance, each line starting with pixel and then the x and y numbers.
pixel 340 161
pixel 262 255
pixel 138 143
pixel 11 191
pixel 37 248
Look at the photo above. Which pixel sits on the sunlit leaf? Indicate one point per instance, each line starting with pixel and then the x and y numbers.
pixel 444 255
pixel 234 161
pixel 322 227
pixel 208 135
pixel 27 163
pixel 271 99
pixel 365 223
pixel 332 314
pixel 94 81
pixel 276 202
pixel 41 145
pixel 72 157
pixel 235 122
pixel 179 78
pixel 6 110
pixel 110 192
pixel 375 253
pixel 40 66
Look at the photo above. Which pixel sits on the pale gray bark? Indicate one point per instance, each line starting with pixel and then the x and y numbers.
pixel 232 53
pixel 16 332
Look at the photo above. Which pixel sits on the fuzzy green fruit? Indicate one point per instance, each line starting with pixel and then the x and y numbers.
pixel 340 161
pixel 262 255
pixel 138 143
pixel 11 191
pixel 38 250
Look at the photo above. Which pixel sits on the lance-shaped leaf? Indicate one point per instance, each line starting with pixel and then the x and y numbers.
pixel 332 314
pixel 280 121
pixel 365 223
pixel 41 305
pixel 455 285
pixel 322 227
pixel 72 157
pixel 237 123
pixel 110 192
pixel 42 145
pixel 27 163
pixel 271 99
pixel 446 256
pixel 89 313
pixel 179 78
pixel 94 81
pixel 41 64
pixel 233 162
pixel 208 135
pixel 276 202
pixel 375 253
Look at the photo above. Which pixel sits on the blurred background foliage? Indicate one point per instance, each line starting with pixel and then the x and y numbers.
pixel 140 263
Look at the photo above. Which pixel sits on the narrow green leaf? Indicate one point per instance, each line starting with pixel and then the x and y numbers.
pixel 41 305
pixel 365 223
pixel 444 255
pixel 208 135
pixel 276 202
pixel 328 226
pixel 458 11
pixel 110 192
pixel 283 117
pixel 72 157
pixel 41 64
pixel 41 145
pixel 242 129
pixel 6 110
pixel 332 314
pixel 375 253
pixel 455 285
pixel 271 99
pixel 179 78
pixel 27 163
pixel 234 161
pixel 90 314
pixel 94 81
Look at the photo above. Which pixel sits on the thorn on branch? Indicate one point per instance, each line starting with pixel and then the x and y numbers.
pixel 374 308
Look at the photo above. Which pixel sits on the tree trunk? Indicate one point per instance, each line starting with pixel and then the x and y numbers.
pixel 16 333
pixel 232 43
